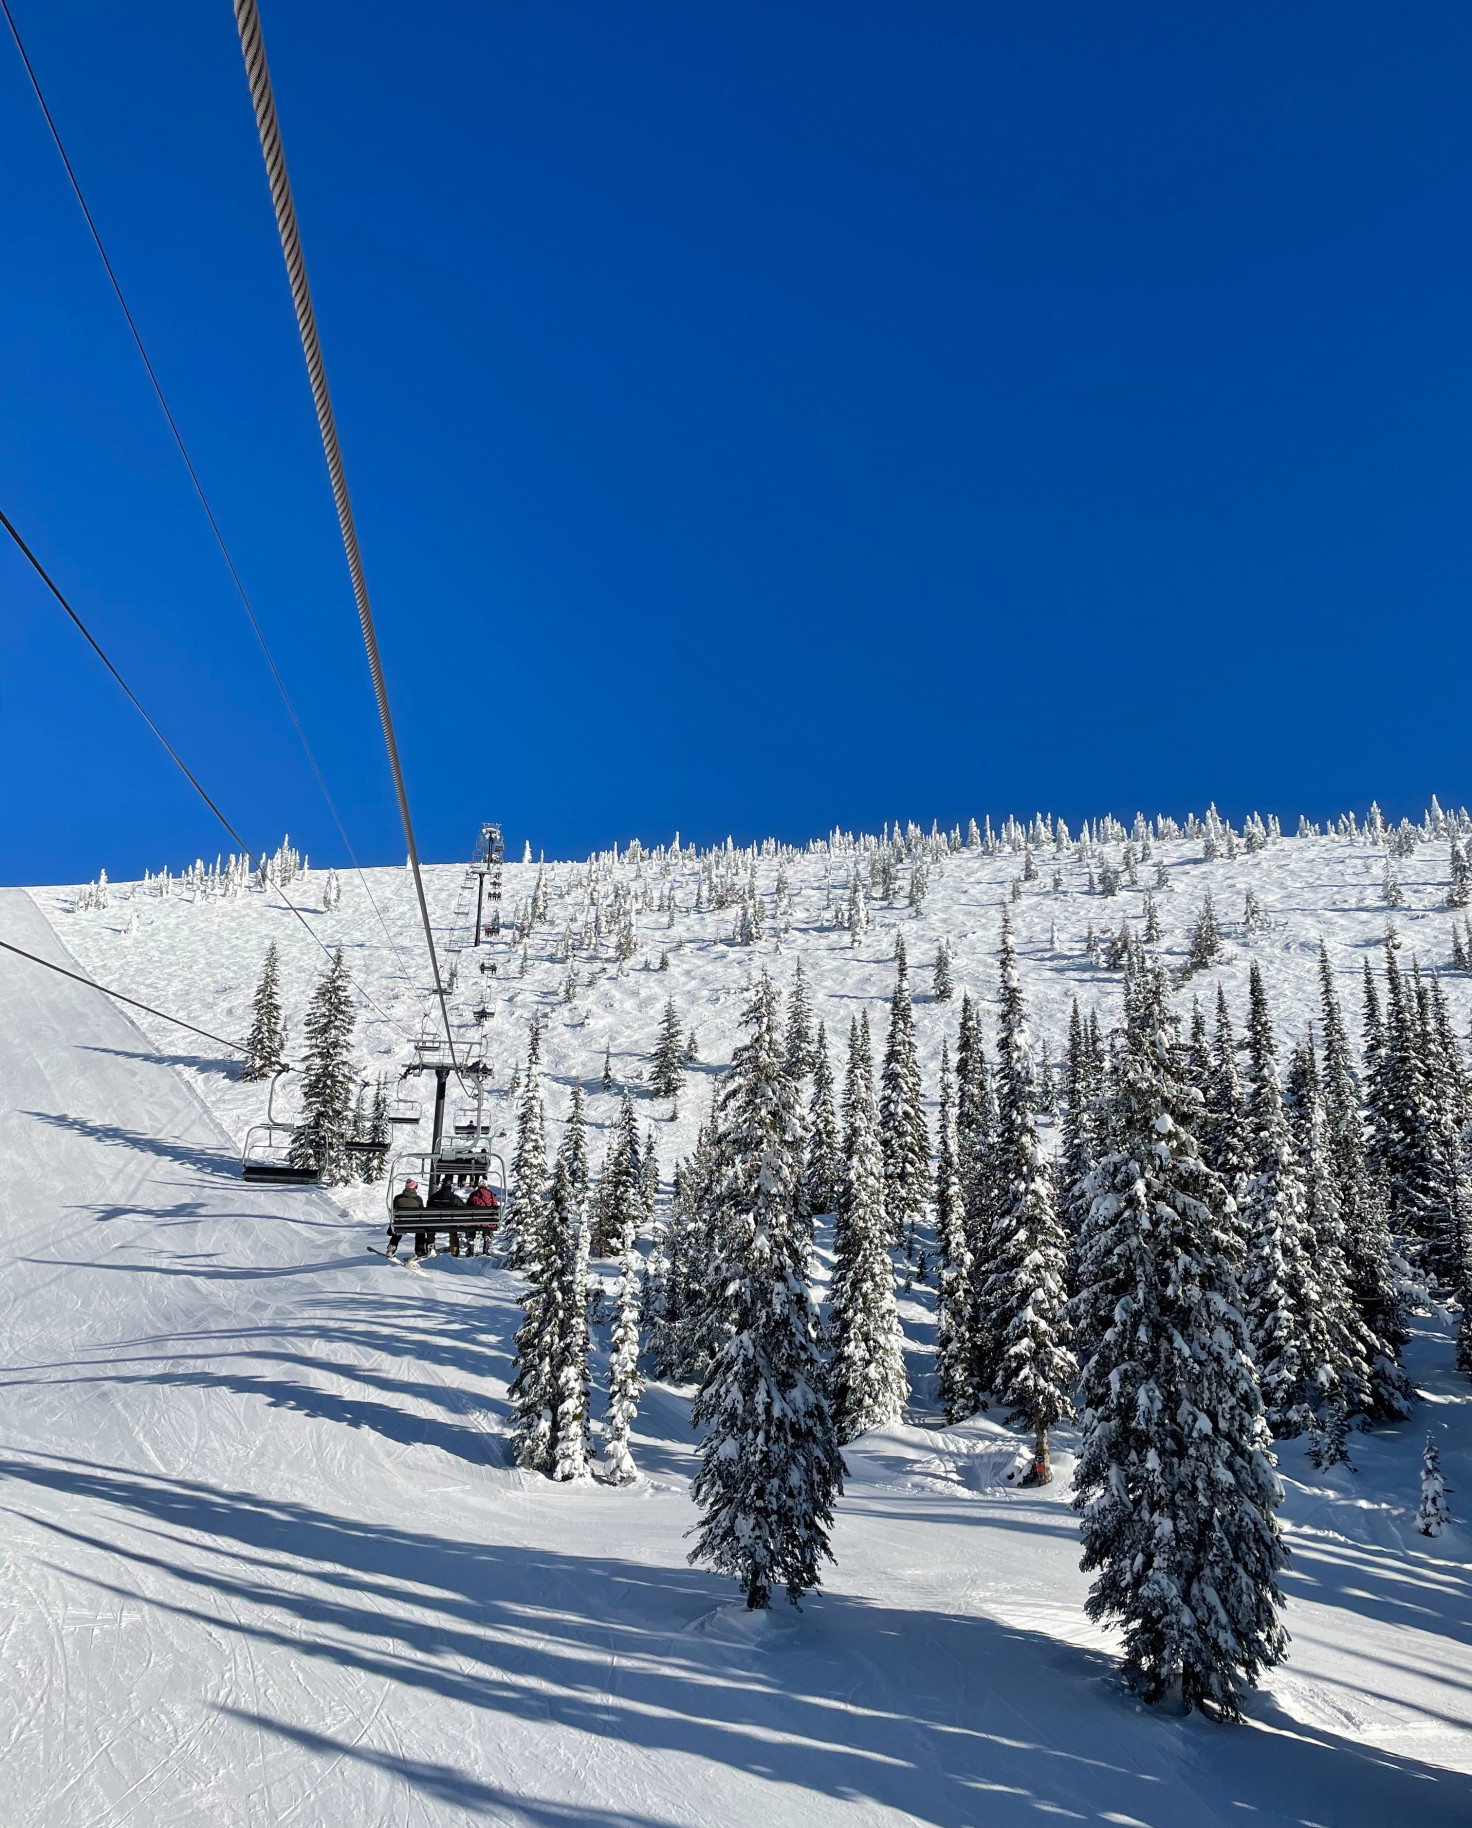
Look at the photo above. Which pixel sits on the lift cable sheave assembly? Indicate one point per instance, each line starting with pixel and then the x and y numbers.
pixel 248 22
pixel 174 755
pixel 193 473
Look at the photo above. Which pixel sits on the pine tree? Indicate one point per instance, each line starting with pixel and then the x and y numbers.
pixel 620 1206
pixel 799 1046
pixel 1023 1297
pixel 534 1385
pixel 1367 1247
pixel 528 1172
pixel 942 985
pixel 607 1080
pixel 823 1168
pixel 867 1384
pixel 265 1045
pixel 1206 938
pixel 1226 1145
pixel 1431 1514
pixel 1284 1302
pixel 902 1134
pixel 328 1080
pixel 625 1386
pixel 954 1302
pixel 1175 1480
pixel 1459 889
pixel 570 1387
pixel 770 1468
pixel 667 1073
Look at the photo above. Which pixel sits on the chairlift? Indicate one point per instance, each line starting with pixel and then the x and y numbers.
pixel 404 1110
pixel 460 1224
pixel 264 1157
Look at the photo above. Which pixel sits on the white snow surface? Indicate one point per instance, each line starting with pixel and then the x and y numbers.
pixel 265 1560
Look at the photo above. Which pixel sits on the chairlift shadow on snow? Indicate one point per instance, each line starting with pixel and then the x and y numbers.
pixel 216 1163
pixel 201 1063
pixel 940 1717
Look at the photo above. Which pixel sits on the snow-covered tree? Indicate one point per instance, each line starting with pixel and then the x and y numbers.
pixel 528 1170
pixel 667 1072
pixel 328 1080
pixel 902 1134
pixel 619 1211
pixel 770 1467
pixel 1175 1481
pixel 867 1383
pixel 543 1241
pixel 1284 1301
pixel 1459 889
pixel 1431 1513
pixel 1024 1294
pixel 625 1386
pixel 955 1348
pixel 265 1045
pixel 1206 938
pixel 824 1167
pixel 570 1384
pixel 799 1044
pixel 942 984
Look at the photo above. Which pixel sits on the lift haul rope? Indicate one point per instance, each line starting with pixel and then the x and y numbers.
pixel 76 977
pixel 253 49
pixel 193 473
pixel 178 760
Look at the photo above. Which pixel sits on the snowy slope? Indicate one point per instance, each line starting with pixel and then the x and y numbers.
pixel 265 1560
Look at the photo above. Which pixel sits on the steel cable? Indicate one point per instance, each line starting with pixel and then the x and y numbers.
pixel 194 478
pixel 174 755
pixel 253 49
pixel 76 977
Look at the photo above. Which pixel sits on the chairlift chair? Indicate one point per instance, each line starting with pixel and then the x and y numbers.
pixel 264 1157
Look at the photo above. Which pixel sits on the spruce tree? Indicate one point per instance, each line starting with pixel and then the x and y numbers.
pixel 328 1080
pixel 667 1074
pixel 620 1206
pixel 1206 938
pixel 799 1044
pixel 823 1168
pixel 1284 1302
pixel 942 985
pixel 1175 1481
pixel 770 1468
pixel 1431 1513
pixel 625 1386
pixel 534 1384
pixel 902 1135
pixel 867 1384
pixel 954 1302
pixel 1226 1145
pixel 528 1173
pixel 265 1045
pixel 1367 1247
pixel 570 1455
pixel 1024 1295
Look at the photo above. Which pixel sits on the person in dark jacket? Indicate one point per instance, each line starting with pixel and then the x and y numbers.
pixel 409 1200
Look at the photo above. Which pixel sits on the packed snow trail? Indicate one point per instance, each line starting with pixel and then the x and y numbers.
pixel 265 1563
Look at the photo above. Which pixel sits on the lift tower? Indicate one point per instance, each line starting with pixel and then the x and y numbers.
pixel 486 868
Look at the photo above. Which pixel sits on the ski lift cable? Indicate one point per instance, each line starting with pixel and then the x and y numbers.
pixel 253 50
pixel 194 478
pixel 76 977
pixel 178 760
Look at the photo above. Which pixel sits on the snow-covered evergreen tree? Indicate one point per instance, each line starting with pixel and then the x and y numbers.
pixel 1431 1513
pixel 1459 889
pixel 667 1071
pixel 942 984
pixel 571 1381
pixel 528 1170
pixel 799 1044
pixel 1024 1295
pixel 619 1210
pixel 1175 1481
pixel 1367 1247
pixel 770 1468
pixel 867 1383
pixel 824 1167
pixel 328 1080
pixel 543 1245
pixel 902 1134
pixel 265 1045
pixel 1284 1301
pixel 955 1349
pixel 625 1386
pixel 1206 938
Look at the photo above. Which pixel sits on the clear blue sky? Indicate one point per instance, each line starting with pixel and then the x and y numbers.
pixel 759 417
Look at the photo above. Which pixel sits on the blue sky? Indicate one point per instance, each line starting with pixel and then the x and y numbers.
pixel 759 418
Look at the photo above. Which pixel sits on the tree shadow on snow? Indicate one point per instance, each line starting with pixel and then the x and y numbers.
pixel 942 1718
pixel 214 1162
